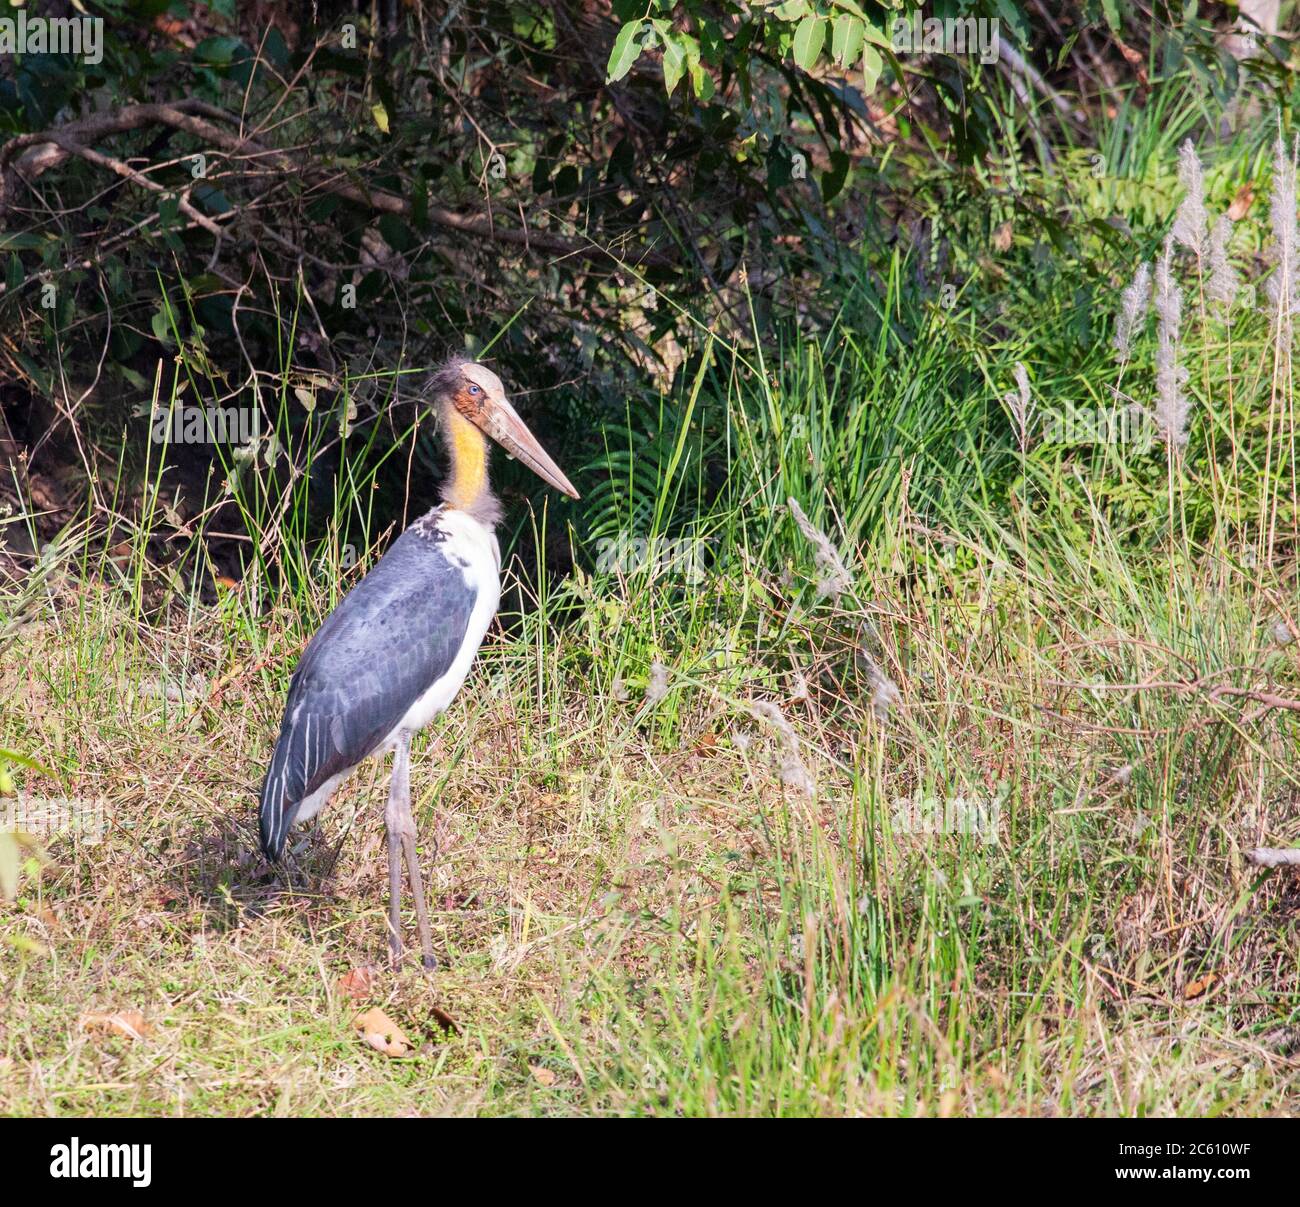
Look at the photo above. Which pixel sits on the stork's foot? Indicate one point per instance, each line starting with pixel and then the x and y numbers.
pixel 396 953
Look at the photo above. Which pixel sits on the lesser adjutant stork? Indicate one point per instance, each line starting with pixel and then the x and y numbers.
pixel 396 650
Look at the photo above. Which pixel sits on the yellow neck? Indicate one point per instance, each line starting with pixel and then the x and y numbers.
pixel 468 478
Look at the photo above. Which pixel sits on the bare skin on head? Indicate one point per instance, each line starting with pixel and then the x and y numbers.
pixel 474 406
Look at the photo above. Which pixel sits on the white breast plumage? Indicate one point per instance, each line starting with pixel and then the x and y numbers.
pixel 473 549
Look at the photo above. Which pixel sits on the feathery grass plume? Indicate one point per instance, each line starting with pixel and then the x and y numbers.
pixel 1020 404
pixel 1132 309
pixel 884 691
pixel 657 686
pixel 1190 221
pixel 835 578
pixel 1171 405
pixel 1222 284
pixel 794 774
pixel 1281 287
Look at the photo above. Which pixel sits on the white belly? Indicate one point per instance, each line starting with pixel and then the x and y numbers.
pixel 474 548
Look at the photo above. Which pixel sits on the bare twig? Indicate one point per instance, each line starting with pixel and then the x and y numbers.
pixel 29 155
pixel 128 173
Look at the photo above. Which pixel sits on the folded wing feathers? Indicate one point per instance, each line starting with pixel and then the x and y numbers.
pixel 395 635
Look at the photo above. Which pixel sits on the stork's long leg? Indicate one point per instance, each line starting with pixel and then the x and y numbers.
pixel 421 908
pixel 400 798
pixel 393 818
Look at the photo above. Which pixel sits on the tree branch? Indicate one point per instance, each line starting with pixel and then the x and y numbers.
pixel 29 155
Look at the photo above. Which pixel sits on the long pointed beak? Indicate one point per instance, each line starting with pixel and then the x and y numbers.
pixel 500 421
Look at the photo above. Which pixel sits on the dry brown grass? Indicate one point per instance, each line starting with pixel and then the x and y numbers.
pixel 636 918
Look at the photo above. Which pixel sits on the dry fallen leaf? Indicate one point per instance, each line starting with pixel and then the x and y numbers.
pixel 1241 203
pixel 444 1020
pixel 381 1033
pixel 357 984
pixel 130 1023
pixel 542 1075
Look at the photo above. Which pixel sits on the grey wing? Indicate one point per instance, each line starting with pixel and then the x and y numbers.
pixel 391 638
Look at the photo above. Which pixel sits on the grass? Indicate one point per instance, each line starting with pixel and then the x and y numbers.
pixel 639 908
pixel 636 915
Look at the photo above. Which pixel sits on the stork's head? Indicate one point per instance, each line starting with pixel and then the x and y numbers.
pixel 474 393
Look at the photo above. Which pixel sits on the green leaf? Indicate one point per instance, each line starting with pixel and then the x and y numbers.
pixel 833 180
pixel 808 41
pixel 1015 24
pixel 780 165
pixel 871 68
pixel 792 10
pixel 712 44
pixel 879 36
pixel 12 756
pixel 625 52
pixel 275 48
pixel 162 328
pixel 21 241
pixel 212 200
pixel 542 175
pixel 674 62
pixel 691 48
pixel 847 35
pixel 220 50
pixel 134 378
pixel 396 233
pixel 1066 47
pixel 702 82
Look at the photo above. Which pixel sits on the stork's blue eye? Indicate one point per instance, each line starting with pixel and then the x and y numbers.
pixel 475 390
